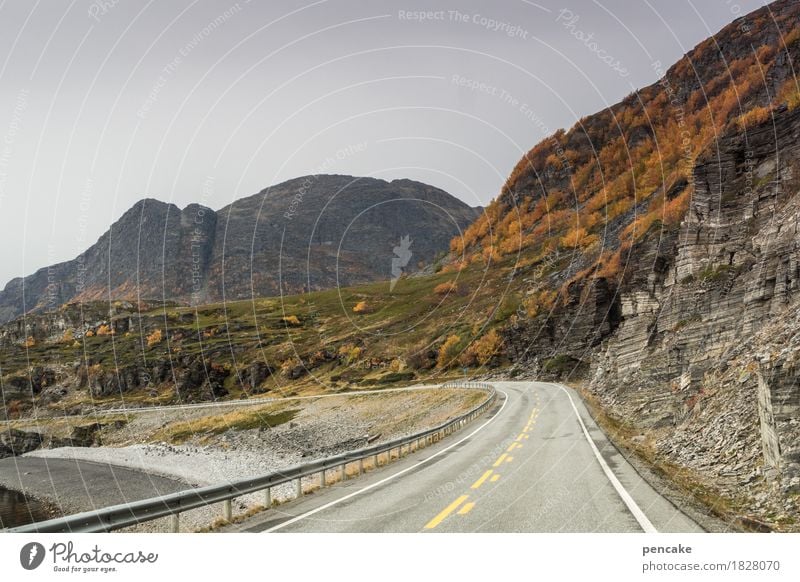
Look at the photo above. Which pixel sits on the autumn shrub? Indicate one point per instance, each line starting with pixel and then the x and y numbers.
pixel 675 209
pixel 104 330
pixel 609 265
pixel 349 353
pixel 155 338
pixel 578 238
pixel 539 302
pixel 291 320
pixel 485 348
pixel 361 307
pixel 448 352
pixel 755 116
pixel 445 288
pixel 790 92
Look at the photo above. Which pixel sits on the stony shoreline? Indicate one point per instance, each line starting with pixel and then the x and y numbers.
pixel 322 427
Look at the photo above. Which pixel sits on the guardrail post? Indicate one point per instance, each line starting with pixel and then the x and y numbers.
pixel 227 510
pixel 175 523
pixel 322 479
pixel 344 472
pixel 375 461
pixel 268 497
pixel 298 488
pixel 361 466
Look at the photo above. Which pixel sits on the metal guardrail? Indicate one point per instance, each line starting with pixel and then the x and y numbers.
pixel 129 514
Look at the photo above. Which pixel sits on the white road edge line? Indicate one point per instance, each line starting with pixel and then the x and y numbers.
pixel 637 512
pixel 390 477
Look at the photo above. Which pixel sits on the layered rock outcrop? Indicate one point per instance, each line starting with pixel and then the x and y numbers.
pixel 705 358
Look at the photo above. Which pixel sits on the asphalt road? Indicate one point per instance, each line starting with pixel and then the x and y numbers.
pixel 73 486
pixel 535 463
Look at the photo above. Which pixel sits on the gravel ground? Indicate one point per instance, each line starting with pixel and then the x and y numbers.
pixel 321 427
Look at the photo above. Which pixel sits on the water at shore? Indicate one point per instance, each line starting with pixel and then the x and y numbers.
pixel 16 509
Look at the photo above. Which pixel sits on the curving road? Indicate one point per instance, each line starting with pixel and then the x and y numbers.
pixel 536 462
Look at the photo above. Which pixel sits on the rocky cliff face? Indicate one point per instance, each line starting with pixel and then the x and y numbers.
pixel 314 232
pixel 705 357
pixel 696 348
pixel 679 314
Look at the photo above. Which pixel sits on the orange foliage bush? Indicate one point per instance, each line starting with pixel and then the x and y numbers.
pixel 609 265
pixel 361 307
pixel 104 330
pixel 755 116
pixel 485 348
pixel 445 288
pixel 155 338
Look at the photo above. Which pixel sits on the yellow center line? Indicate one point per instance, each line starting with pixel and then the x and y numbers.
pixel 499 460
pixel 521 436
pixel 509 459
pixel 511 448
pixel 495 477
pixel 445 512
pixel 467 508
pixel 483 478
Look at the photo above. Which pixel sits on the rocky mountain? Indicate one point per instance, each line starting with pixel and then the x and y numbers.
pixel 671 289
pixel 309 233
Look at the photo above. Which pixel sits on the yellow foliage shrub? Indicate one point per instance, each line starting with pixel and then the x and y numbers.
pixel 485 348
pixel 155 338
pixel 350 353
pixel 448 352
pixel 577 237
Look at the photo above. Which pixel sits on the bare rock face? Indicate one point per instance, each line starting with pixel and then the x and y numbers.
pixel 705 358
pixel 15 442
pixel 310 233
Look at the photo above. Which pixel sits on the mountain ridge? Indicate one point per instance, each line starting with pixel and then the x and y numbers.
pixel 156 249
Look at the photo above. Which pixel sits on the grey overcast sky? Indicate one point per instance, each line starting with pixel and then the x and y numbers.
pixel 106 102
